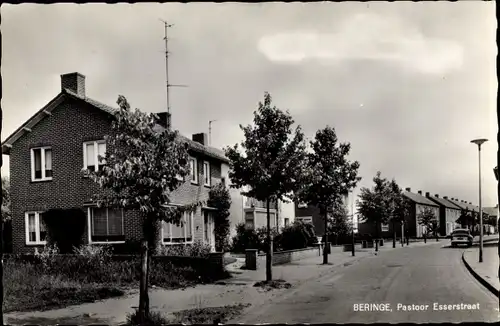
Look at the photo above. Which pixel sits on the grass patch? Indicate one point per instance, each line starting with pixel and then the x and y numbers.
pixel 209 315
pixel 272 285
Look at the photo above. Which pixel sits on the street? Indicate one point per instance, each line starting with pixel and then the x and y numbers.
pixel 406 279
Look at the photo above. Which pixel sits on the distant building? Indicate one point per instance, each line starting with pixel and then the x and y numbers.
pixel 449 213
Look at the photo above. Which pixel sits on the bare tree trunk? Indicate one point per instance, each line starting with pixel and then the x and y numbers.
pixel 143 290
pixel 269 254
pixel 325 250
pixel 376 235
pixel 393 234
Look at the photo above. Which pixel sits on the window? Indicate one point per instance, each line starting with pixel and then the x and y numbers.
pixel 91 153
pixel 287 221
pixel 302 205
pixel 385 227
pixel 206 174
pixel 36 232
pixel 41 164
pixel 182 233
pixel 305 219
pixel 223 181
pixel 106 225
pixel 193 165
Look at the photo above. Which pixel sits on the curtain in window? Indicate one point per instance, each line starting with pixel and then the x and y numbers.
pixel 37 153
pixel 177 232
pixel 101 147
pixel 48 162
pixel 43 230
pixel 188 226
pixel 99 222
pixel 166 232
pixel 193 169
pixel 115 222
pixel 32 227
pixel 90 157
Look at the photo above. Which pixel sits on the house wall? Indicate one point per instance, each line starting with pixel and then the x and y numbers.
pixel 420 208
pixel 236 214
pixel 451 215
pixel 71 124
pixel 314 212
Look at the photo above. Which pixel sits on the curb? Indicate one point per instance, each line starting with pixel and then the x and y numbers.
pixel 481 280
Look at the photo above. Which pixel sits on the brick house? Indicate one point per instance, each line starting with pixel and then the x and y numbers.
pixel 48 152
pixel 448 214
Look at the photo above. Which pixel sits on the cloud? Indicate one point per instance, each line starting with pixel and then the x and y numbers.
pixel 366 37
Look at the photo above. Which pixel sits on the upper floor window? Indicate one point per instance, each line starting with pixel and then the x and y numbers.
pixel 206 174
pixel 384 227
pixel 302 205
pixel 41 164
pixel 106 225
pixel 36 233
pixel 193 165
pixel 91 152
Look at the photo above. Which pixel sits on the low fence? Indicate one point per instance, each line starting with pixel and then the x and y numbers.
pixel 254 260
pixel 212 265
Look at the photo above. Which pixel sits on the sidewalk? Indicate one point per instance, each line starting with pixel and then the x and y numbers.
pixel 238 289
pixel 487 271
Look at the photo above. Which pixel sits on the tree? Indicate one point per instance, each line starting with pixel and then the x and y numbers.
pixel 270 165
pixel 220 199
pixel 400 209
pixel 374 204
pixel 143 165
pixel 329 175
pixel 6 212
pixel 339 221
pixel 466 219
pixel 427 219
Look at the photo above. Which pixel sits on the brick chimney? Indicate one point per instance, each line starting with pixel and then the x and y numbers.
pixel 408 189
pixel 164 119
pixel 201 138
pixel 74 82
pixel 436 195
pixel 420 192
pixel 445 197
pixel 427 194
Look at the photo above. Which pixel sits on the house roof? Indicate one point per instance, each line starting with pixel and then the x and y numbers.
pixel 492 211
pixel 444 202
pixel 47 109
pixel 464 205
pixel 419 199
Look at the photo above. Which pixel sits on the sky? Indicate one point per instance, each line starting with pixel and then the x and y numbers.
pixel 408 85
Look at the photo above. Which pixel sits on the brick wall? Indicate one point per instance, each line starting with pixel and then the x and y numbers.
pixel 71 124
pixel 284 257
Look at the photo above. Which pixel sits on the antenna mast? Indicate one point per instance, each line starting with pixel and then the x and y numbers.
pixel 168 85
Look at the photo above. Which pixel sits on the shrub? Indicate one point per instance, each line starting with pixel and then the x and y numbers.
pixel 94 254
pixel 220 199
pixel 154 318
pixel 65 228
pixel 262 238
pixel 48 256
pixel 197 249
pixel 245 238
pixel 130 247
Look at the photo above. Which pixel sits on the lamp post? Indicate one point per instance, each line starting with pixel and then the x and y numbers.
pixel 479 142
pixel 352 226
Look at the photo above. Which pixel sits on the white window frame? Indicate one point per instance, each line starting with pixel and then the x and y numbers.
pixel 170 243
pixel 89 223
pixel 207 177
pixel 42 158
pixel 302 205
pixel 305 219
pixel 37 228
pixel 384 227
pixel 96 153
pixel 194 170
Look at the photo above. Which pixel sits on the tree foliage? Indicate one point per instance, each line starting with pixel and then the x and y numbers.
pixel 220 199
pixel 427 218
pixel 374 205
pixel 6 212
pixel 339 221
pixel 65 228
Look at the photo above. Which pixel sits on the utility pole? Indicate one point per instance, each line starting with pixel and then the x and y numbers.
pixel 210 131
pixel 168 85
pixel 352 212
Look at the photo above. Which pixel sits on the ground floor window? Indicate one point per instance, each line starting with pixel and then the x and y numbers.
pixel 106 225
pixel 384 227
pixel 181 233
pixel 36 233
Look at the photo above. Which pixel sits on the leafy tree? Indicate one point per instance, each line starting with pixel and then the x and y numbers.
pixel 427 219
pixel 400 208
pixel 329 175
pixel 6 212
pixel 144 164
pixel 466 219
pixel 220 199
pixel 340 223
pixel 271 163
pixel 374 204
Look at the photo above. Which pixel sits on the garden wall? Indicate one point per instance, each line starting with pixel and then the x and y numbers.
pixel 284 257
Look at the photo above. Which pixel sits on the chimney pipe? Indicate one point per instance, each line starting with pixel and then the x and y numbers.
pixel 74 82
pixel 164 119
pixel 420 192
pixel 445 197
pixel 408 189
pixel 436 195
pixel 200 138
pixel 427 194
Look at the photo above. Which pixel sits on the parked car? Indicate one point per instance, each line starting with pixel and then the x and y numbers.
pixel 461 237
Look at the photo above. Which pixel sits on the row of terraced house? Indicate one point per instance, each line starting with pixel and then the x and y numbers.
pixel 447 211
pixel 47 154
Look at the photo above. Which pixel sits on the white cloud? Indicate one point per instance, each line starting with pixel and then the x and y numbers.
pixel 366 37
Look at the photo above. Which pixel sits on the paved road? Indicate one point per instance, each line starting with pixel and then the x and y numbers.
pixel 412 276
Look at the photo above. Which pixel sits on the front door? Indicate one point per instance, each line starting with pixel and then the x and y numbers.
pixel 208 229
